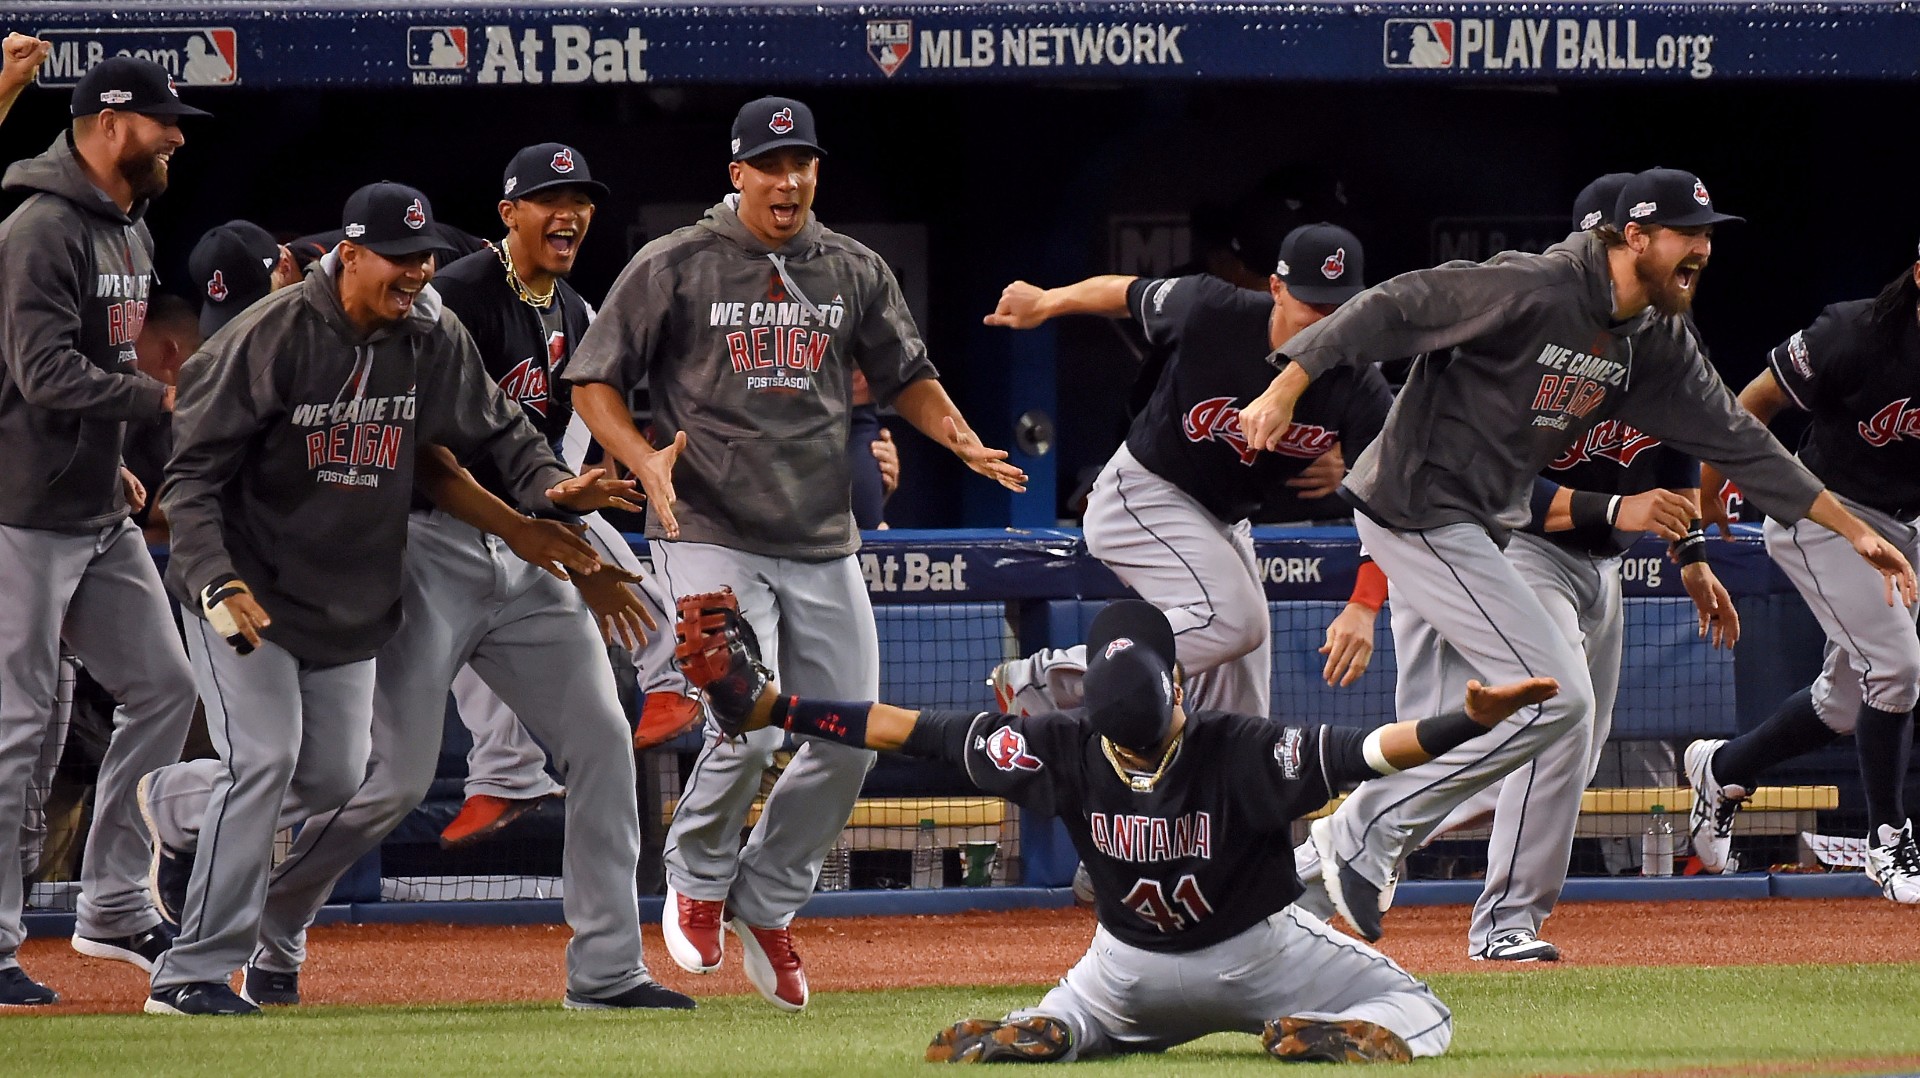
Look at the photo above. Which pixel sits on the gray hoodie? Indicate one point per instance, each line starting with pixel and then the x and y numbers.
pixel 294 441
pixel 751 352
pixel 1522 359
pixel 74 275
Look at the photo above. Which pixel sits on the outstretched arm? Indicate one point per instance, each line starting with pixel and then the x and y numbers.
pixel 925 404
pixel 1397 746
pixel 552 546
pixel 1024 306
pixel 1766 399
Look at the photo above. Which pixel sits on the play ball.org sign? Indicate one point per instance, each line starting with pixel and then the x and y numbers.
pixel 193 55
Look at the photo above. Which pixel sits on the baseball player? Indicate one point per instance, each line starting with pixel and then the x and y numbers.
pixel 1169 513
pixel 1850 371
pixel 1571 558
pixel 235 266
pixel 294 462
pixel 748 325
pixel 1524 356
pixel 1181 819
pixel 76 266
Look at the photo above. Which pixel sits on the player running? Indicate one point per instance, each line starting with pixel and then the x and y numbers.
pixel 1182 819
pixel 1169 513
pixel 1522 357
pixel 1856 371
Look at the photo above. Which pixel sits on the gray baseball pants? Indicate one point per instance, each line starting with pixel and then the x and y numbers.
pixel 1120 998
pixel 100 593
pixel 292 740
pixel 1873 650
pixel 1455 591
pixel 815 627
pixel 469 600
pixel 1181 558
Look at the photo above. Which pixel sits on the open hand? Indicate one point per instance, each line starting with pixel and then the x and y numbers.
pixel 624 618
pixel 1349 646
pixel 656 478
pixel 591 490
pixel 1719 620
pixel 991 463
pixel 558 548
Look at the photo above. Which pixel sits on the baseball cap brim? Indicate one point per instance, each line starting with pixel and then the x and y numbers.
pixel 1325 293
pixel 594 187
pixel 778 144
pixel 429 239
pixel 1700 217
pixel 169 108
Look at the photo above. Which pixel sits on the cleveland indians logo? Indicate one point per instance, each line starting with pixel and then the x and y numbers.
pixel 416 215
pixel 527 383
pixel 782 122
pixel 1335 266
pixel 1116 646
pixel 1700 194
pixel 217 287
pixel 1609 439
pixel 563 161
pixel 1216 419
pixel 1007 748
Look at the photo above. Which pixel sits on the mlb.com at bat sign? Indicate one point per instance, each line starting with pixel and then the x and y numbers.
pixel 193 55
pixel 559 53
pixel 893 44
pixel 1546 46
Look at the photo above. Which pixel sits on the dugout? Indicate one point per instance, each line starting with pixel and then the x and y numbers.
pixel 979 143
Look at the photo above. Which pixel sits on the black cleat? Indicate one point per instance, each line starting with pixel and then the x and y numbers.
pixel 19 990
pixel 141 949
pixel 171 869
pixel 270 987
pixel 1311 1040
pixel 1038 1039
pixel 199 998
pixel 1354 896
pixel 647 995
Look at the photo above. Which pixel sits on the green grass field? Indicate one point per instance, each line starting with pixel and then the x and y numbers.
pixel 1536 1021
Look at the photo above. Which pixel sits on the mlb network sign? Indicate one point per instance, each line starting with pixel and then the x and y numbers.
pixel 193 55
pixel 1543 46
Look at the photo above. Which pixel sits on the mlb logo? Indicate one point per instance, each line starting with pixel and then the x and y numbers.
pixel 437 48
pixel 212 58
pixel 1421 43
pixel 889 42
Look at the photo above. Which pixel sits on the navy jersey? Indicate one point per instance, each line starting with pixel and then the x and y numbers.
pixel 1189 432
pixel 1614 458
pixel 1203 855
pixel 1860 382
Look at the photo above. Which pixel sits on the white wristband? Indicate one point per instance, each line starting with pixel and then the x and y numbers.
pixel 1613 509
pixel 1376 759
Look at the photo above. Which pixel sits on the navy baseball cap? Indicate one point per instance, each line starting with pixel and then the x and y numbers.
pixel 1128 687
pixel 232 265
pixel 1667 196
pixel 770 123
pixel 550 164
pixel 1322 263
pixel 1595 204
pixel 391 220
pixel 129 84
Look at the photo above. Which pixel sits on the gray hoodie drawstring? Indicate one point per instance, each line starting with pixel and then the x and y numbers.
pixel 780 267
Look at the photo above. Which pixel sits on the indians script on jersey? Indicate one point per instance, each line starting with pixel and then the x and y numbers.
pixel 1217 419
pixel 780 341
pixel 356 438
pixel 1576 384
pixel 1890 424
pixel 1609 439
pixel 530 379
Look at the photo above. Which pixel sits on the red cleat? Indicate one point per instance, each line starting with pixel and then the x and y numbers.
pixel 692 928
pixel 665 716
pixel 771 964
pixel 485 815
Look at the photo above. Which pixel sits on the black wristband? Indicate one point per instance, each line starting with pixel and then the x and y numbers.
pixel 1442 732
pixel 1692 548
pixel 1590 510
pixel 829 720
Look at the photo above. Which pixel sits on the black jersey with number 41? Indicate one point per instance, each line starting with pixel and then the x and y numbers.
pixel 1189 860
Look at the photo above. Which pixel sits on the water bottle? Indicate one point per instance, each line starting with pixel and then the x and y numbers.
pixel 927 869
pixel 836 873
pixel 1656 846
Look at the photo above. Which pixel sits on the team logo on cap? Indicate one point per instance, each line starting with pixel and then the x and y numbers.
pixel 217 286
pixel 416 215
pixel 1590 220
pixel 1700 194
pixel 563 161
pixel 1116 646
pixel 115 97
pixel 1007 748
pixel 1642 209
pixel 1335 267
pixel 171 88
pixel 782 122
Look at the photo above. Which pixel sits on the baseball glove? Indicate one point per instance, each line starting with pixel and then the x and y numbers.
pixel 717 651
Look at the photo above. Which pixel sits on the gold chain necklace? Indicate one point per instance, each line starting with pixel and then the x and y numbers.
pixel 1142 783
pixel 527 295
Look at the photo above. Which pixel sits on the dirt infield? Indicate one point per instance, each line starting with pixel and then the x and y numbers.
pixel 387 964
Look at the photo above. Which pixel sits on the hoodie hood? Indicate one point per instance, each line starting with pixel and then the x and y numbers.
pixel 1589 252
pixel 723 219
pixel 323 294
pixel 58 172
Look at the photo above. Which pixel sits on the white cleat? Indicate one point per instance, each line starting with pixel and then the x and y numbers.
pixel 1893 862
pixel 1710 824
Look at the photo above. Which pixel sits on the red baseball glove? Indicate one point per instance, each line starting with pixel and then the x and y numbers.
pixel 717 651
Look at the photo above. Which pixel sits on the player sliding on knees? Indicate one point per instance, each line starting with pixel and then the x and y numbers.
pixel 1183 820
